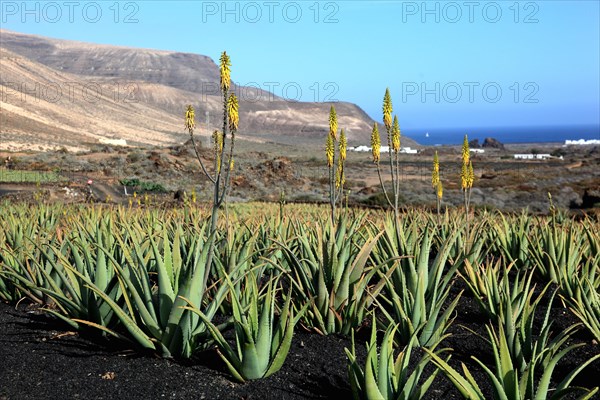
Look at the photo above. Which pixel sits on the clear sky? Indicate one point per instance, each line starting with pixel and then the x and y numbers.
pixel 447 64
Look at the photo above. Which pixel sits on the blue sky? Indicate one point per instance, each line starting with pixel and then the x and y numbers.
pixel 448 64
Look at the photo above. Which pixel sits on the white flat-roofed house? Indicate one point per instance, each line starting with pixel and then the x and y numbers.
pixel 582 142
pixel 360 149
pixel 532 156
pixel 408 150
pixel 383 149
pixel 113 142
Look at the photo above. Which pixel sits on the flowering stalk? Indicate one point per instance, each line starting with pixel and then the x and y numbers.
pixel 394 149
pixel 220 139
pixel 376 151
pixel 335 164
pixel 436 182
pixel 387 110
pixel 393 135
pixel 340 179
pixel 440 194
pixel 467 177
pixel 281 205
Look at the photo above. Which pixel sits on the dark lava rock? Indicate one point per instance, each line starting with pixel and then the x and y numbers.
pixel 179 195
pixel 368 190
pixel 492 143
pixel 591 198
pixel 474 144
pixel 187 149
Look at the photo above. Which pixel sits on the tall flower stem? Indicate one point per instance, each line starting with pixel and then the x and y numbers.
pixel 220 182
pixel 467 177
pixel 393 136
pixel 335 164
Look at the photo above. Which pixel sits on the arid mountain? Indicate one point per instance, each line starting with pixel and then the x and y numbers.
pixel 57 93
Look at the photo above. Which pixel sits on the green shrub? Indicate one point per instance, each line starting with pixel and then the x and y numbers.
pixel 143 186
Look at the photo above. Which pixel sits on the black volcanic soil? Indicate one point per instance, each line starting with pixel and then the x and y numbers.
pixel 41 359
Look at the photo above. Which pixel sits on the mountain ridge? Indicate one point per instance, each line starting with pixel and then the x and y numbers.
pixel 138 95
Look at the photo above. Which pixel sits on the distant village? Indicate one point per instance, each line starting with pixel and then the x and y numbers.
pixel 524 156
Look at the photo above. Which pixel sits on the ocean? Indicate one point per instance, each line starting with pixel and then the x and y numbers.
pixel 504 135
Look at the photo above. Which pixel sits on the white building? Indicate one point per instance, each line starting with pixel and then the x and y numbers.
pixel 408 150
pixel 478 151
pixel 532 156
pixel 582 142
pixel 113 142
pixel 382 150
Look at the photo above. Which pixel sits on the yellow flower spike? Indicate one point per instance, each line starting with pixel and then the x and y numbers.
pixel 330 150
pixel 466 156
pixel 343 146
pixel 440 190
pixel 225 64
pixel 233 112
pixel 471 175
pixel 396 135
pixel 435 175
pixel 231 165
pixel 387 109
pixel 464 177
pixel 375 144
pixel 340 176
pixel 190 122
pixel 333 124
pixel 218 141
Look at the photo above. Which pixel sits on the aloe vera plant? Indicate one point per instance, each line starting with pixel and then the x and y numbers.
pixel 138 273
pixel 37 270
pixel 586 306
pixel 329 271
pixel 497 288
pixel 511 239
pixel 68 268
pixel 386 377
pixel 262 340
pixel 20 243
pixel 242 251
pixel 472 245
pixel 157 320
pixel 416 291
pixel 558 253
pixel 511 383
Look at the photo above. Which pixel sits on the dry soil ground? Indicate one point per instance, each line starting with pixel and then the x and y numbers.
pixel 264 170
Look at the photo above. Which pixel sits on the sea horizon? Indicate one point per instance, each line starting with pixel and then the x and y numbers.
pixel 507 135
